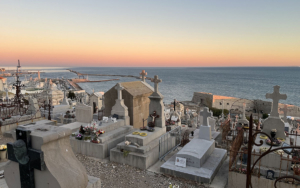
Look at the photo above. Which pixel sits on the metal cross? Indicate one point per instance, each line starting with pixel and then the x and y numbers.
pixel 28 158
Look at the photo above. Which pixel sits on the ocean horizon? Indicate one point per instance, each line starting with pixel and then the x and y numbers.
pixel 181 82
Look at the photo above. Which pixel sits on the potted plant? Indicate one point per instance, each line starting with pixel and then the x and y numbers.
pixel 3 151
pixel 79 137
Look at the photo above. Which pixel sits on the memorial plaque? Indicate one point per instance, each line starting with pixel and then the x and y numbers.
pixel 180 162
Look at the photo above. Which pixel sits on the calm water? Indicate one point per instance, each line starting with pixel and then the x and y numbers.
pixel 180 83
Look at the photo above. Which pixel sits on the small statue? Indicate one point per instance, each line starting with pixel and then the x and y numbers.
pixel 153 116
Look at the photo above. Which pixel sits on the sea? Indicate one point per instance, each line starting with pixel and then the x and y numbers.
pixel 180 83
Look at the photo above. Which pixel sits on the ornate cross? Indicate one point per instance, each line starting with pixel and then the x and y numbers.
pixel 205 113
pixel 28 158
pixel 275 96
pixel 143 73
pixel 156 81
pixel 119 89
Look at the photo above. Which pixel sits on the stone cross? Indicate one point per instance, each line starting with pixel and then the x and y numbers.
pixel 205 114
pixel 156 81
pixel 119 89
pixel 143 73
pixel 244 109
pixel 275 96
pixel 29 159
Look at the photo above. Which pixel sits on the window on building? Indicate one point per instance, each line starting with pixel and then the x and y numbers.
pixel 227 103
pixel 220 103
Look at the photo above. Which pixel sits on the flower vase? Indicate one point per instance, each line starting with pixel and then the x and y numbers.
pixel 273 134
pixel 296 171
pixel 3 155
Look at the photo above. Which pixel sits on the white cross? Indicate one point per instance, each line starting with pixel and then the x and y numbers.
pixel 275 96
pixel 205 113
pixel 119 89
pixel 143 73
pixel 156 81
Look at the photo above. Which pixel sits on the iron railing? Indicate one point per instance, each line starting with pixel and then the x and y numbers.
pixel 166 142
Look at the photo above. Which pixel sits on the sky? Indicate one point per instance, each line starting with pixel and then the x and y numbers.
pixel 167 33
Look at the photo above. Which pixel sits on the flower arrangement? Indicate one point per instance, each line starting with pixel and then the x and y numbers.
pixel 99 132
pixel 275 142
pixel 79 137
pixel 263 149
pixel 274 130
pixel 73 134
pixel 296 169
pixel 3 147
pixel 279 152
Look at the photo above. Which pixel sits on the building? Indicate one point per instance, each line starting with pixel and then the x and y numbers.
pixel 3 83
pixel 135 95
pixel 96 100
pixel 234 104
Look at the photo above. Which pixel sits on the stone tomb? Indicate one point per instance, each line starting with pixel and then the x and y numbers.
pixel 115 133
pixel 52 160
pixel 274 121
pixel 144 150
pixel 202 158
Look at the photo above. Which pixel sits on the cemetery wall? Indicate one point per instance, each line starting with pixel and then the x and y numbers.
pixel 237 103
pixel 238 180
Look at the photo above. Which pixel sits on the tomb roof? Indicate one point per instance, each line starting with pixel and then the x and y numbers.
pixel 137 88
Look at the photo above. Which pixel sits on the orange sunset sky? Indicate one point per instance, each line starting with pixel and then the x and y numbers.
pixel 150 33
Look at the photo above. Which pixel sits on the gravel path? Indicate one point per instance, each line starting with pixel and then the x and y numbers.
pixel 118 175
pixel 114 175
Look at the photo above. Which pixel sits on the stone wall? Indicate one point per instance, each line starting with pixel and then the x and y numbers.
pixel 238 180
pixel 140 110
pixel 203 98
pixel 237 104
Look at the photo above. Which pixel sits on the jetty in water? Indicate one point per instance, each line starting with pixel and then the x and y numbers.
pixel 82 75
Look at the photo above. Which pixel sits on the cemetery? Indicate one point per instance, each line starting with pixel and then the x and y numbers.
pixel 59 142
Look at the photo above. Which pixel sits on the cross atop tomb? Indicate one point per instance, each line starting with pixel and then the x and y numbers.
pixel 205 113
pixel 244 109
pixel 275 96
pixel 119 89
pixel 156 81
pixel 143 73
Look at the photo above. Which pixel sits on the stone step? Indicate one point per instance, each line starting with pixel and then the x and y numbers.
pixel 146 148
pixel 114 133
pixel 144 140
pixel 205 174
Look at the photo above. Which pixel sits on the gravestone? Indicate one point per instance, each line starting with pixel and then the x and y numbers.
pixel 65 99
pixel 156 104
pixel 120 108
pixel 243 120
pixel 33 108
pixel 205 128
pixel 202 158
pixel 274 121
pixel 84 113
pixel 43 157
